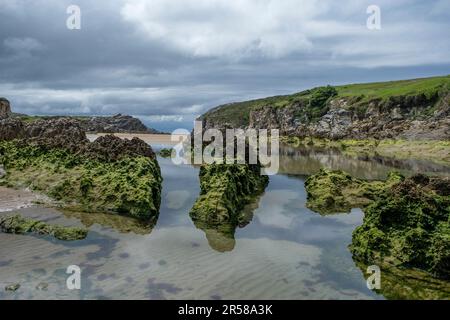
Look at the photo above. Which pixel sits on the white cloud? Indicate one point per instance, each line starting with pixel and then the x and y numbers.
pixel 325 31
pixel 237 28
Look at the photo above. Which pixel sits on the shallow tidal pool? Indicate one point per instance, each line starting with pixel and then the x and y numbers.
pixel 282 251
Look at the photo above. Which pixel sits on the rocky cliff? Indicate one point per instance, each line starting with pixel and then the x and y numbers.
pixel 116 123
pixel 410 109
pixel 5 109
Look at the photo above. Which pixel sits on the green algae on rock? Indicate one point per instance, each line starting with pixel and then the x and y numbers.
pixel 399 283
pixel 225 190
pixel 108 175
pixel 19 225
pixel 408 226
pixel 336 191
pixel 165 153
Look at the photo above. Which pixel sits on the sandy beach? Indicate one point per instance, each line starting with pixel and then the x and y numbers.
pixel 147 137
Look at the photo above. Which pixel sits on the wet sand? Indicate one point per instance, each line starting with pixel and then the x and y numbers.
pixel 12 199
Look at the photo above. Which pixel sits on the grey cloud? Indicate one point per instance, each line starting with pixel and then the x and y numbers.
pixel 116 64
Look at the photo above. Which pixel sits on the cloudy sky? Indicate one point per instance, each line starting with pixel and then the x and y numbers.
pixel 168 61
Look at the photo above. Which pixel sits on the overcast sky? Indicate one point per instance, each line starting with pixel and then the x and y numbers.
pixel 168 61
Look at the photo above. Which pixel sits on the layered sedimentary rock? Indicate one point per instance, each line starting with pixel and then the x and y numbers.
pixel 54 157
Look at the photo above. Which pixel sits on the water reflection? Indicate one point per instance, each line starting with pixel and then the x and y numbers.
pixel 221 236
pixel 401 283
pixel 278 249
pixel 309 160
pixel 119 223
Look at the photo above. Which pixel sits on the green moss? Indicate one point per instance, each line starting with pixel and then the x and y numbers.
pixel 130 185
pixel 19 225
pixel 165 153
pixel 336 191
pixel 408 226
pixel 399 283
pixel 225 190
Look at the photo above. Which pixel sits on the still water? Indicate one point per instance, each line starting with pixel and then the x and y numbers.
pixel 282 251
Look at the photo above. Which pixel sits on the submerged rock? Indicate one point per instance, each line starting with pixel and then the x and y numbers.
pixel 19 225
pixel 408 226
pixel 336 191
pixel 165 153
pixel 12 287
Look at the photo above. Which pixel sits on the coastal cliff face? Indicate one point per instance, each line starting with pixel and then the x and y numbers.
pixel 5 109
pixel 117 123
pixel 408 117
pixel 412 109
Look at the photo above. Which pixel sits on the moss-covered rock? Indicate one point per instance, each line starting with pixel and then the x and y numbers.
pixel 336 191
pixel 408 226
pixel 165 153
pixel 88 180
pixel 399 283
pixel 20 225
pixel 225 190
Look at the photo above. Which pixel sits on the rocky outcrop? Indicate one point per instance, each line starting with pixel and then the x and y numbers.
pixel 409 109
pixel 11 129
pixel 408 117
pixel 408 226
pixel 225 190
pixel 55 158
pixel 57 133
pixel 331 192
pixel 116 124
pixel 5 109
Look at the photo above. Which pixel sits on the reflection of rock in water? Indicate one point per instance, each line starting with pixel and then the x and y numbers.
pixel 122 224
pixel 223 203
pixel 221 237
pixel 309 160
pixel 411 284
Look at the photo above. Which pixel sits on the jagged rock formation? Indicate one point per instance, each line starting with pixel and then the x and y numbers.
pixel 5 109
pixel 408 226
pixel 412 109
pixel 406 221
pixel 116 124
pixel 54 157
